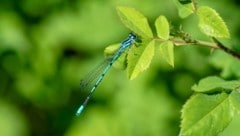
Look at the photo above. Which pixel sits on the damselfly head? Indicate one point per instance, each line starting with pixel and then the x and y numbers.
pixel 132 36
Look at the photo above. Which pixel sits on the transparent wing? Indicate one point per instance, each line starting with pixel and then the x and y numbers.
pixel 87 83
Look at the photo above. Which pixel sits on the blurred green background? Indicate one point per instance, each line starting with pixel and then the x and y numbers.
pixel 46 47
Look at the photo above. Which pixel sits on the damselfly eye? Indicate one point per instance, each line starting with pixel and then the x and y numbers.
pixel 132 36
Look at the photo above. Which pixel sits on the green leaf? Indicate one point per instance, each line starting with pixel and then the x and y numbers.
pixel 167 52
pixel 139 59
pixel 211 24
pixel 135 21
pixel 13 122
pixel 109 51
pixel 235 100
pixel 121 62
pixel 184 10
pixel 228 65
pixel 162 27
pixel 206 115
pixel 212 83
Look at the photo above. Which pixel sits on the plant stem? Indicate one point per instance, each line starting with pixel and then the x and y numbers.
pixel 215 45
pixel 225 49
pixel 180 42
pixel 194 5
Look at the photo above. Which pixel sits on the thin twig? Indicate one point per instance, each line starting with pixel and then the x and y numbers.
pixel 215 45
pixel 180 42
pixel 194 5
pixel 206 44
pixel 225 49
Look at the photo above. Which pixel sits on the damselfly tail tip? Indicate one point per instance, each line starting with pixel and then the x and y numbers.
pixel 79 111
